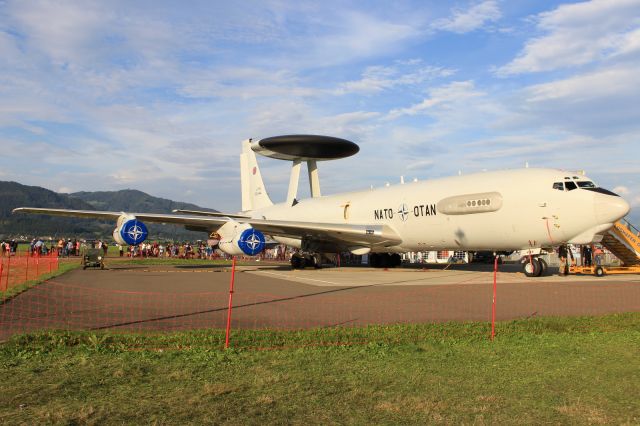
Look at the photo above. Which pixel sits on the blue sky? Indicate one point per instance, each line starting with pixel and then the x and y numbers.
pixel 157 95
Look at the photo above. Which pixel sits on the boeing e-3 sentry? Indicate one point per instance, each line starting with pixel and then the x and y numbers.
pixel 525 209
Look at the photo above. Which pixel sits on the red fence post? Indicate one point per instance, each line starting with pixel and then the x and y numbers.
pixel 493 307
pixel 233 274
pixel 6 283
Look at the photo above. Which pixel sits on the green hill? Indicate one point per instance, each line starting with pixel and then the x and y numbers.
pixel 13 194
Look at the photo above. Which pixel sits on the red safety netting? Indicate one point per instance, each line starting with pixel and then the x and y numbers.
pixel 66 306
pixel 168 300
pixel 61 305
pixel 22 267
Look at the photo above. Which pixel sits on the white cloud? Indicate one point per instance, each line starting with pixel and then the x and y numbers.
pixel 598 103
pixel 376 79
pixel 609 82
pixel 62 29
pixel 464 21
pixel 622 190
pixel 578 34
pixel 359 35
pixel 421 164
pixel 442 97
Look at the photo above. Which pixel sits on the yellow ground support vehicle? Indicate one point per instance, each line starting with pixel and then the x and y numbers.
pixel 623 240
pixel 600 271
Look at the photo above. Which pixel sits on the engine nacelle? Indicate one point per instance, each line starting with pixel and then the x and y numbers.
pixel 130 230
pixel 240 238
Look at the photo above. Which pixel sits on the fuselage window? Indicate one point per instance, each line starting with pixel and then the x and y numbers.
pixel 570 186
pixel 586 184
pixel 559 186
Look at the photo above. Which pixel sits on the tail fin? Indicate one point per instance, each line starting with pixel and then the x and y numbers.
pixel 254 194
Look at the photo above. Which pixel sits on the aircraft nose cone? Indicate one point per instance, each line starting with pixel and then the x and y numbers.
pixel 610 209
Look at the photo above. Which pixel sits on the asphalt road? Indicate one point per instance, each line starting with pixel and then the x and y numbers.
pixel 190 297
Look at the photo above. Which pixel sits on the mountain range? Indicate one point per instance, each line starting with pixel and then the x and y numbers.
pixel 23 226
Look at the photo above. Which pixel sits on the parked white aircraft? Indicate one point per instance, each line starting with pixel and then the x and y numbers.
pixel 525 209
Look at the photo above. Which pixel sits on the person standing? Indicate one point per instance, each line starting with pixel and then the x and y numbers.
pixel 563 256
pixel 597 254
pixel 587 256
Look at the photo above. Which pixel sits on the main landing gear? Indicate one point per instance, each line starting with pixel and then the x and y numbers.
pixel 384 260
pixel 304 260
pixel 534 266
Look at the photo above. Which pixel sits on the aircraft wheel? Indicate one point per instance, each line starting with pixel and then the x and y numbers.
pixel 374 260
pixel 297 262
pixel 396 260
pixel 599 271
pixel 317 260
pixel 531 268
pixel 309 260
pixel 543 267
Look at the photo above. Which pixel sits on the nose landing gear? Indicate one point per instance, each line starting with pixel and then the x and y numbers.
pixel 534 266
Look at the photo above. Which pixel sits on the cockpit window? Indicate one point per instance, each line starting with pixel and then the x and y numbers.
pixel 586 184
pixel 570 186
pixel 559 186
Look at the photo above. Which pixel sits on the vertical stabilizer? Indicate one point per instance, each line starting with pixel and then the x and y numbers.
pixel 254 193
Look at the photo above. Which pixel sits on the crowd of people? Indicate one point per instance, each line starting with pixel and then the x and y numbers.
pixel 68 247
pixel 9 247
pixel 188 250
pixel 61 247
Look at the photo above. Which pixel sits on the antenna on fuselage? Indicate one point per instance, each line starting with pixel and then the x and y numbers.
pixel 309 148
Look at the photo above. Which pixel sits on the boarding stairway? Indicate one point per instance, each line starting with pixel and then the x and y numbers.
pixel 623 240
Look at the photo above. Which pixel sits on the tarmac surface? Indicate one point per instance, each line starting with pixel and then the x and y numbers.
pixel 125 297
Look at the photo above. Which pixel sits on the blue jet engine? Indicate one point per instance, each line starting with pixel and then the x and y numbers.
pixel 130 230
pixel 240 238
pixel 251 241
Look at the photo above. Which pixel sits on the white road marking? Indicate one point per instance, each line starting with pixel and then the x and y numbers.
pixel 292 277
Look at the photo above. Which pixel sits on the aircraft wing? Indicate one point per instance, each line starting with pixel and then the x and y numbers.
pixel 211 214
pixel 178 219
pixel 365 235
pixel 360 234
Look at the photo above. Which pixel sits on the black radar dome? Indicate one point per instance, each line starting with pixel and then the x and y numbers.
pixel 305 147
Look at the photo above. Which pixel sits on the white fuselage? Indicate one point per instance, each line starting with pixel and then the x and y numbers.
pixel 516 209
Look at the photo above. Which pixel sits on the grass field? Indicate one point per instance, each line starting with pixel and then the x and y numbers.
pixel 546 370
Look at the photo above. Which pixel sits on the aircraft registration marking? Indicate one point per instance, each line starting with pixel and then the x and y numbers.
pixel 419 210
